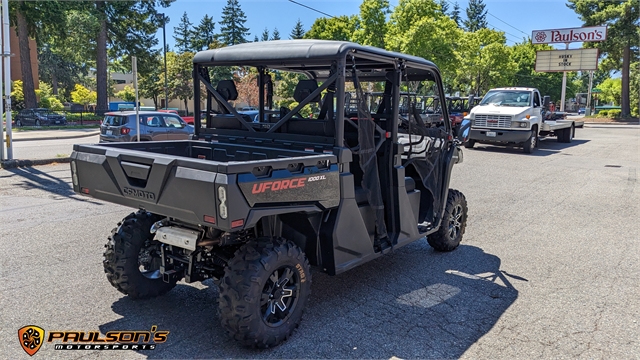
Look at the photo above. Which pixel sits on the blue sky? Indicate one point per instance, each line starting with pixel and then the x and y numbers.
pixel 522 16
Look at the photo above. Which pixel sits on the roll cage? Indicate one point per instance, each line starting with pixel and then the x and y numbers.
pixel 333 63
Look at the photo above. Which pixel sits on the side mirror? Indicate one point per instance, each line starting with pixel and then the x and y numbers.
pixel 461 131
pixel 545 101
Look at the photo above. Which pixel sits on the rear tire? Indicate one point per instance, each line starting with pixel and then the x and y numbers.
pixel 37 123
pixel 18 123
pixel 264 291
pixel 453 224
pixel 470 144
pixel 130 247
pixel 566 136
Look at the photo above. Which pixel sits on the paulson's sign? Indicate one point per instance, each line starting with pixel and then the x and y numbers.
pixel 567 60
pixel 590 33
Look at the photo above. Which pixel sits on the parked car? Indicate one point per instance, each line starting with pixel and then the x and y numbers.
pixel 39 117
pixel 154 126
pixel 581 111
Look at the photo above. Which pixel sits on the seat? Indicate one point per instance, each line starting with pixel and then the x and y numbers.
pixel 361 195
pixel 227 89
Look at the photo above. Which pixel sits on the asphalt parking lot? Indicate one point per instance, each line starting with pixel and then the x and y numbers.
pixel 548 268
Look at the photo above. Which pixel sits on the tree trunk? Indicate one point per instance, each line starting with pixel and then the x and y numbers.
pixel 155 102
pixel 54 83
pixel 101 59
pixel 624 102
pixel 28 88
pixel 186 107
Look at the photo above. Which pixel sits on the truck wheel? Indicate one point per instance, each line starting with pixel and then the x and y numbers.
pixel 454 222
pixel 132 259
pixel 264 291
pixel 531 144
pixel 566 135
pixel 470 144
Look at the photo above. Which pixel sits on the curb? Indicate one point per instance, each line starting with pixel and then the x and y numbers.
pixel 612 123
pixel 56 137
pixel 10 164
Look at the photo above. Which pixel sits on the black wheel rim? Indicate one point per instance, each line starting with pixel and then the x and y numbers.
pixel 280 296
pixel 149 261
pixel 455 221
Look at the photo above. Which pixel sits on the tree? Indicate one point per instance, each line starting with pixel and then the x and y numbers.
pixel 179 68
pixel 183 34
pixel 58 68
pixel 337 28
pixel 417 27
pixel 127 94
pixel 455 13
pixel 124 29
pixel 444 6
pixel 204 34
pixel 298 31
pixel 82 95
pixel 232 29
pixel 32 19
pixel 151 86
pixel 373 23
pixel 611 91
pixel 265 35
pixel 275 35
pixel 255 39
pixel 476 16
pixel 247 89
pixel 486 62
pixel 622 18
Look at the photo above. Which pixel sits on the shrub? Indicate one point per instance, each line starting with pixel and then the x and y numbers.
pixel 614 114
pixel 603 113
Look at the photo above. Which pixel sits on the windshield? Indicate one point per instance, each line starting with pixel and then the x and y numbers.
pixel 507 98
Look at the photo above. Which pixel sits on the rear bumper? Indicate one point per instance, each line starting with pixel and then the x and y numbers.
pixel 502 136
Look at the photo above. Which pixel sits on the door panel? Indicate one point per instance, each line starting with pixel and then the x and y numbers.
pixel 154 128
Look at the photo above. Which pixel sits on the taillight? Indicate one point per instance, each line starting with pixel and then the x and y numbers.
pixel 125 131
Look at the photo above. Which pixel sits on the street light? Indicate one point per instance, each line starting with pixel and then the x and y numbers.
pixel 163 19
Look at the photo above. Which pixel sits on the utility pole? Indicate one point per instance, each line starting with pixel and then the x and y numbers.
pixel 134 68
pixel 587 109
pixel 564 87
pixel 7 75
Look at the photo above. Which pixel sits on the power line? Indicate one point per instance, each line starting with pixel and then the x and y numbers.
pixel 310 8
pixel 488 13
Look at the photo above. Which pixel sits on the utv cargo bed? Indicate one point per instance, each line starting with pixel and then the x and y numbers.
pixel 180 179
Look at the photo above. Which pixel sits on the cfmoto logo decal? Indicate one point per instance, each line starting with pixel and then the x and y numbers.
pixel 148 195
pixel 31 338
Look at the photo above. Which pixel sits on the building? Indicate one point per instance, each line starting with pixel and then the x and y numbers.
pixel 16 67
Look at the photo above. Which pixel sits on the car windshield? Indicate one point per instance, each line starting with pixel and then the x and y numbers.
pixel 506 98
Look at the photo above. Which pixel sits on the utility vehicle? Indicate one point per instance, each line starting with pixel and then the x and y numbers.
pixel 253 205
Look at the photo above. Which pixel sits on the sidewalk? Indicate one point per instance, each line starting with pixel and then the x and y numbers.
pixel 32 135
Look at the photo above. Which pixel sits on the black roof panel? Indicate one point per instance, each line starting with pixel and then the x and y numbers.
pixel 294 52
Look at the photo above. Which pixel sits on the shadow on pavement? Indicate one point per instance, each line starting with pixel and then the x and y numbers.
pixel 415 303
pixel 545 148
pixel 45 181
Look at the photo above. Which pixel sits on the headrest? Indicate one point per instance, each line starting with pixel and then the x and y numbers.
pixel 227 88
pixel 304 89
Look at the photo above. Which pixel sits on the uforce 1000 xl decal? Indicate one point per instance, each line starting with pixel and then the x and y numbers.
pixel 290 187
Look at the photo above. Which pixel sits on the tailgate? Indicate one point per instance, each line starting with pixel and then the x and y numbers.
pixel 172 186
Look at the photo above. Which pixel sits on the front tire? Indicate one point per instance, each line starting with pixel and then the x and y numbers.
pixel 453 224
pixel 470 144
pixel 264 291
pixel 132 258
pixel 530 145
pixel 37 123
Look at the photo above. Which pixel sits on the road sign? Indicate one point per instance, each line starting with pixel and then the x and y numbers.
pixel 567 60
pixel 582 34
pixel 596 90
